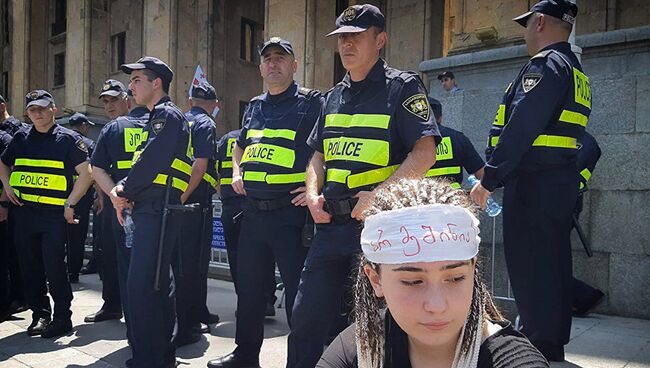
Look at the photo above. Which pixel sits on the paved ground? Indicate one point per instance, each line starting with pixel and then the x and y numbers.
pixel 598 341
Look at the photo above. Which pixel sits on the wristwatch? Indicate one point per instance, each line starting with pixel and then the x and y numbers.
pixel 67 205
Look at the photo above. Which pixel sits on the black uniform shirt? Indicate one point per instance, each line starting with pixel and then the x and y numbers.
pixel 203 131
pixel 529 112
pixel 5 139
pixel 224 163
pixel 406 127
pixel 58 143
pixel 117 141
pixel 12 125
pixel 588 155
pixel 455 151
pixel 167 138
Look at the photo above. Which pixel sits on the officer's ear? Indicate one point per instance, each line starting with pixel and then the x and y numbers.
pixel 381 40
pixel 54 108
pixel 294 66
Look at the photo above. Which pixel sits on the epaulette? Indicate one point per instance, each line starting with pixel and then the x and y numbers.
pixel 256 98
pixel 542 54
pixel 308 92
pixel 548 53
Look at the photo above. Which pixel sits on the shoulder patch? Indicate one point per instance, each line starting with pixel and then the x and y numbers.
pixel 530 81
pixel 157 126
pixel 81 145
pixel 417 105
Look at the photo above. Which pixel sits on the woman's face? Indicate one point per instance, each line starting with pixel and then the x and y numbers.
pixel 428 300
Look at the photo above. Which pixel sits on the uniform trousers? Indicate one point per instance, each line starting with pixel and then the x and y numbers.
pixel 537 210
pixel 122 260
pixel 77 235
pixel 152 313
pixel 266 236
pixel 110 280
pixel 330 265
pixel 40 236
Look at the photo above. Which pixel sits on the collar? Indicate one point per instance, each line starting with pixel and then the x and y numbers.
pixel 138 112
pixel 162 101
pixel 51 131
pixel 289 92
pixel 376 74
pixel 195 110
pixel 557 46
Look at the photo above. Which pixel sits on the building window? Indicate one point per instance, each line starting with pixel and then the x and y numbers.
pixel 60 18
pixel 59 69
pixel 118 46
pixel 5 85
pixel 242 109
pixel 247 48
pixel 6 30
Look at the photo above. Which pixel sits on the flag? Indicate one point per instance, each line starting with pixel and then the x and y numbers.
pixel 199 79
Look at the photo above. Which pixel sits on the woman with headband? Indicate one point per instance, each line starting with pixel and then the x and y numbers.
pixel 420 245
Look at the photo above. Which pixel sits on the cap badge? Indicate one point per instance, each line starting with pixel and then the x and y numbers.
pixel 349 14
pixel 106 87
pixel 33 95
pixel 275 40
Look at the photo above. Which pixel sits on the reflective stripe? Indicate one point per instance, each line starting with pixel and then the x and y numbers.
pixel 211 180
pixel 582 185
pixel 500 119
pixel 269 153
pixel 370 151
pixel 179 184
pixel 40 199
pixel 274 178
pixel 124 164
pixel 444 171
pixel 39 163
pixel 357 120
pixel 38 180
pixel 585 173
pixel 546 141
pixel 455 185
pixel 225 181
pixel 573 117
pixel 371 176
pixel 181 166
pixel 444 150
pixel 226 164
pixel 555 141
pixel 338 175
pixel 231 146
pixel 271 133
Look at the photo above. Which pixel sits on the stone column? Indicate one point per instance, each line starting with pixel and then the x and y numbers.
pixel 77 55
pixel 19 73
pixel 160 33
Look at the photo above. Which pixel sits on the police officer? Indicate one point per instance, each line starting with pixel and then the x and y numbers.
pixel 269 163
pixel 159 175
pixel 6 246
pixel 191 283
pixel 44 159
pixel 8 123
pixel 532 149
pixel 111 162
pixel 77 233
pixel 376 127
pixel 453 153
pixel 11 125
pixel 231 215
pixel 585 296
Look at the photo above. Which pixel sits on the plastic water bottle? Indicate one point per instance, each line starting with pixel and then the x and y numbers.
pixel 492 208
pixel 128 228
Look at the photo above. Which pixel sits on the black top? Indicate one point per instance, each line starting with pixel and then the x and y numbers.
pixel 455 151
pixel 5 139
pixel 12 125
pixel 224 163
pixel 507 348
pixel 204 136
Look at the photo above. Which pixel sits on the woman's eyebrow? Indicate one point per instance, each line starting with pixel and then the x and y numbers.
pixel 409 269
pixel 454 265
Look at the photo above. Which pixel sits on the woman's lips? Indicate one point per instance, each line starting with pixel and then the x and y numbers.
pixel 435 326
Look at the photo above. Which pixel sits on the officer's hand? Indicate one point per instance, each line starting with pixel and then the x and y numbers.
pixel 118 202
pixel 11 196
pixel 99 204
pixel 120 216
pixel 479 195
pixel 315 204
pixel 238 185
pixel 365 198
pixel 300 199
pixel 68 213
pixel 4 212
pixel 184 197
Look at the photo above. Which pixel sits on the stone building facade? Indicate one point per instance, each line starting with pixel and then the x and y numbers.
pixel 81 43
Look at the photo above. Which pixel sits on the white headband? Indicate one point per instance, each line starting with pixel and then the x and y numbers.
pixel 430 233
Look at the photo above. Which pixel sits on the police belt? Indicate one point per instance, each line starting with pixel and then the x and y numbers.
pixel 340 207
pixel 271 204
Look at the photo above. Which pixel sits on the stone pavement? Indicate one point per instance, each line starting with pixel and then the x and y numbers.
pixel 599 341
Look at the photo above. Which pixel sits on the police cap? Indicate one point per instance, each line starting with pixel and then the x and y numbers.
pixel 112 88
pixel 561 9
pixel 204 91
pixel 436 107
pixel 279 42
pixel 152 63
pixel 446 74
pixel 2 99
pixel 358 18
pixel 38 97
pixel 78 119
